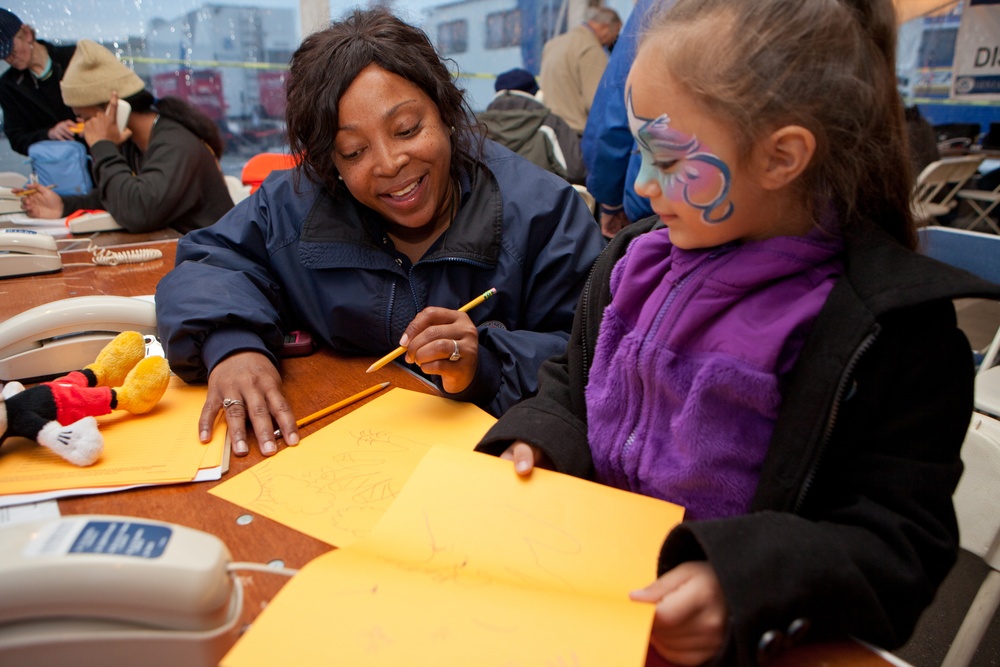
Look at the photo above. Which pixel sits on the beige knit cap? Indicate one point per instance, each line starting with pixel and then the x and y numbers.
pixel 93 73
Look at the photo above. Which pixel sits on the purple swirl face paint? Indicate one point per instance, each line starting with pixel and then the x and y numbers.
pixel 686 171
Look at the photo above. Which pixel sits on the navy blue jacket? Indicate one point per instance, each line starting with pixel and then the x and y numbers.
pixel 286 259
pixel 608 147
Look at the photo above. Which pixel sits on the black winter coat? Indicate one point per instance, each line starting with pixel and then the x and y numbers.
pixel 852 526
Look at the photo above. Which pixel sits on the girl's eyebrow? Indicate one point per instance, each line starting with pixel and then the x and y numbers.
pixel 657 133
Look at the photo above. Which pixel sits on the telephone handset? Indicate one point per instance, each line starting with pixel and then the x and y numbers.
pixel 115 590
pixel 26 252
pixel 85 222
pixel 124 110
pixel 62 336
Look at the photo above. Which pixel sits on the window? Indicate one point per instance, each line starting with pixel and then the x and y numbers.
pixel 503 29
pixel 453 37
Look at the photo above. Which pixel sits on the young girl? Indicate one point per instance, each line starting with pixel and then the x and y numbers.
pixel 769 352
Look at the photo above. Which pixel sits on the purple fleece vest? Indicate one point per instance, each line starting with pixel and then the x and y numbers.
pixel 692 352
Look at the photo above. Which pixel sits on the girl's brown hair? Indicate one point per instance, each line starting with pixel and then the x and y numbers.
pixel 825 65
pixel 328 61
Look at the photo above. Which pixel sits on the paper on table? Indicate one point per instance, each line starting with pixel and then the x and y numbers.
pixel 55 227
pixel 159 447
pixel 339 480
pixel 472 565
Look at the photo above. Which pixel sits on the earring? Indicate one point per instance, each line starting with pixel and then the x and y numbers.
pixel 339 177
pixel 453 129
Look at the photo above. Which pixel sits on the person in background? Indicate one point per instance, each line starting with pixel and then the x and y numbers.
pixel 607 140
pixel 161 171
pixel 757 352
pixel 33 109
pixel 519 121
pixel 572 65
pixel 397 214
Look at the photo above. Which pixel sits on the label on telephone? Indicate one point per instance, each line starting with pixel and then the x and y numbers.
pixel 119 538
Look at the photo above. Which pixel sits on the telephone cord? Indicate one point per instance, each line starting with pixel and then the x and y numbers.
pixel 106 257
pixel 262 567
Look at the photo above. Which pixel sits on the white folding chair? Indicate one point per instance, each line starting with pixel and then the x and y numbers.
pixel 982 202
pixel 937 185
pixel 977 253
pixel 979 530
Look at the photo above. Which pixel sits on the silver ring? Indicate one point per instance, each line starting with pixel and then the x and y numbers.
pixel 456 355
pixel 229 402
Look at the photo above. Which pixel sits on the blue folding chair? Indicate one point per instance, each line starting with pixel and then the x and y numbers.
pixel 977 253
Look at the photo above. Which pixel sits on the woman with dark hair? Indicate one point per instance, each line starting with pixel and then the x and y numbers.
pixel 398 213
pixel 161 170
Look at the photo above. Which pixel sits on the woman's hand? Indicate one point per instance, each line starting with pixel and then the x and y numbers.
pixel 435 337
pixel 251 386
pixel 525 457
pixel 40 202
pixel 690 622
pixel 104 126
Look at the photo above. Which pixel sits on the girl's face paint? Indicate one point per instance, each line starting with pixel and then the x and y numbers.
pixel 686 172
pixel 692 172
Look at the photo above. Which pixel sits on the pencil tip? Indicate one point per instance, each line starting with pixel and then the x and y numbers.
pixel 370 368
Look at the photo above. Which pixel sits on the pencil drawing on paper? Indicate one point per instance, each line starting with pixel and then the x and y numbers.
pixel 352 482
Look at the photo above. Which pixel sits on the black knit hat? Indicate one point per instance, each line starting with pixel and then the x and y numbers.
pixel 517 79
pixel 9 25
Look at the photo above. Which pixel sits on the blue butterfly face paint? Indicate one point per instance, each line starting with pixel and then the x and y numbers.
pixel 685 171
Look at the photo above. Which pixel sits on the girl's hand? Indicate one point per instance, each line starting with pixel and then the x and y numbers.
pixel 525 457
pixel 251 386
pixel 431 341
pixel 40 201
pixel 689 627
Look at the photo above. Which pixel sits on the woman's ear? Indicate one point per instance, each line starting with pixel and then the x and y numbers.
pixel 784 155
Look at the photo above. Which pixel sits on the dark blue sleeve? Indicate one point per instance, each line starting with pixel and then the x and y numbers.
pixel 607 141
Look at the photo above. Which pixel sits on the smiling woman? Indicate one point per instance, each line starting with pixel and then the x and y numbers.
pixel 398 213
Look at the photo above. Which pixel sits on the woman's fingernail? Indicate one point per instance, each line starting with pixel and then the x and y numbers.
pixel 269 448
pixel 292 440
pixel 522 466
pixel 205 436
pixel 404 340
pixel 240 448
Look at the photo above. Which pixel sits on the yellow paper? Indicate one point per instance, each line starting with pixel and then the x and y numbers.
pixel 159 447
pixel 473 566
pixel 336 484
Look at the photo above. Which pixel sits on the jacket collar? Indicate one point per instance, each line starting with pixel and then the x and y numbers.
pixel 887 276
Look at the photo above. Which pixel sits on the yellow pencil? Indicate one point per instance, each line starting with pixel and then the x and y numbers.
pixel 336 406
pixel 31 191
pixel 402 350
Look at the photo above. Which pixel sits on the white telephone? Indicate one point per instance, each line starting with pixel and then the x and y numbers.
pixel 124 110
pixel 26 252
pixel 62 336
pixel 115 591
pixel 95 221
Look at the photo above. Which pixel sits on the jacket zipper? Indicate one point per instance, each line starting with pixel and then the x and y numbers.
pixel 671 297
pixel 842 387
pixel 413 293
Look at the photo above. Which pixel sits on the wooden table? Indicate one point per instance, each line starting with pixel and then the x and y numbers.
pixel 311 383
pixel 310 388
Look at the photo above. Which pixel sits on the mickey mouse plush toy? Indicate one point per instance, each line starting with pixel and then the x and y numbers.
pixel 60 414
